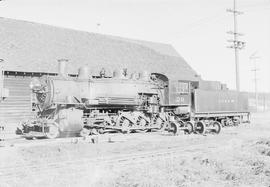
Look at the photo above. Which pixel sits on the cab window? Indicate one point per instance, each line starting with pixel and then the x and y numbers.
pixel 182 87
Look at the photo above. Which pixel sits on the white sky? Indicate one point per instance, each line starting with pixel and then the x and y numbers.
pixel 196 28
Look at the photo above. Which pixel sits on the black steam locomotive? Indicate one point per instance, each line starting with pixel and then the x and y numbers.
pixel 127 103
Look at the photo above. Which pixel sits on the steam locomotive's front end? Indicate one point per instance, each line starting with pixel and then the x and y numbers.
pixel 42 88
pixel 58 105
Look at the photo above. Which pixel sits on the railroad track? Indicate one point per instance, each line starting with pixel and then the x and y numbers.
pixel 22 142
pixel 9 173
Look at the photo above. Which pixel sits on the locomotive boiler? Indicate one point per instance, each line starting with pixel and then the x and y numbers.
pixel 88 105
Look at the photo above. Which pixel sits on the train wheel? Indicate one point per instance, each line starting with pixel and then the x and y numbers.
pixel 173 127
pixel 125 123
pixel 200 127
pixel 216 127
pixel 223 122
pixel 229 122
pixel 190 127
pixel 142 124
pixel 160 123
pixel 236 122
pixel 53 131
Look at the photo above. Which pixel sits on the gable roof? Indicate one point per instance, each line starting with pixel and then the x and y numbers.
pixel 33 47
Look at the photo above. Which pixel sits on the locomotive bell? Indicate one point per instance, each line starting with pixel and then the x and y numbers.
pixel 124 73
pixel 121 74
pixel 83 73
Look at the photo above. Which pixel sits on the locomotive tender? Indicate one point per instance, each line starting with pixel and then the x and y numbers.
pixel 123 102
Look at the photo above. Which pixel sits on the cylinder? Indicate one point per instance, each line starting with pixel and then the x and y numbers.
pixel 83 73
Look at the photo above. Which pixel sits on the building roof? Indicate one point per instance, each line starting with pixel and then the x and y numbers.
pixel 33 47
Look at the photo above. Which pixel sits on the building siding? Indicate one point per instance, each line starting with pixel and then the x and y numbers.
pixel 17 106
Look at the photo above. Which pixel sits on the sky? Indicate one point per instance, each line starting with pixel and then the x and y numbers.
pixel 196 29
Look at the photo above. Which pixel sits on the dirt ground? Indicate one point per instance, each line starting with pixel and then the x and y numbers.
pixel 238 156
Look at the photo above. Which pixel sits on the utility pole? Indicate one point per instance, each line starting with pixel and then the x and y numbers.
pixel 255 58
pixel 236 44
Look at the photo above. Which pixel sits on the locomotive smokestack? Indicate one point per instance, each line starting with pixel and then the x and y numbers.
pixel 62 68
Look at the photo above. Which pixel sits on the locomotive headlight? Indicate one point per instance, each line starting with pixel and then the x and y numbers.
pixel 35 84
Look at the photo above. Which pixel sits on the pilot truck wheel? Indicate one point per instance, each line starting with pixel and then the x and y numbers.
pixel 53 131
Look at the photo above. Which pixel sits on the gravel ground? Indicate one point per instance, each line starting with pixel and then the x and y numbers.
pixel 239 156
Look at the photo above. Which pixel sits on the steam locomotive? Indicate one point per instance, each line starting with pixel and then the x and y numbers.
pixel 126 103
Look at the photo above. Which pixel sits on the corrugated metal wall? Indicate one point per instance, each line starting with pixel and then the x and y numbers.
pixel 18 105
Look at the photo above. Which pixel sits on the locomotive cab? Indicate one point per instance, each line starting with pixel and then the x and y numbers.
pixel 176 94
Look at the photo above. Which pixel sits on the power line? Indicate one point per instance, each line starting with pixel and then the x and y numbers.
pixel 236 44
